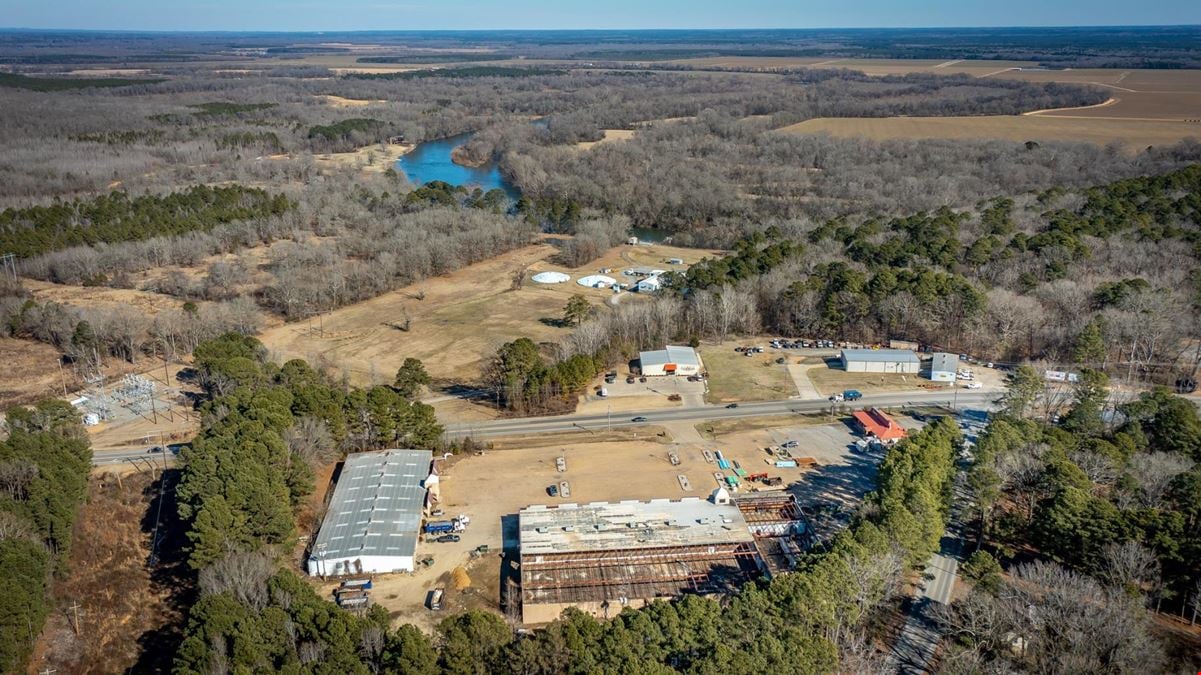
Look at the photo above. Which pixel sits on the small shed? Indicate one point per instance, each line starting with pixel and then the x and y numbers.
pixel 649 285
pixel 880 361
pixel 943 367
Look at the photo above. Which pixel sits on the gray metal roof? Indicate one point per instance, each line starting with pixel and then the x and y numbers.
pixel 377 505
pixel 605 526
pixel 943 362
pixel 878 355
pixel 670 354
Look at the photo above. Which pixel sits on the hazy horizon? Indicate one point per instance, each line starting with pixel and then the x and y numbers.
pixel 480 15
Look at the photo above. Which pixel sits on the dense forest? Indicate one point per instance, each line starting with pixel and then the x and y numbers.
pixel 44 465
pixel 116 217
pixel 1110 504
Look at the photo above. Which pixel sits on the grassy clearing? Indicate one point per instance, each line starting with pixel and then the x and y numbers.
pixel 832 380
pixel 734 377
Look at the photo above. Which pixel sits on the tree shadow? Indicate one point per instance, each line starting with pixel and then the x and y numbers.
pixel 554 322
pixel 169 572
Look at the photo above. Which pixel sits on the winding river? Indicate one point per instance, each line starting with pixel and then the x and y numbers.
pixel 431 160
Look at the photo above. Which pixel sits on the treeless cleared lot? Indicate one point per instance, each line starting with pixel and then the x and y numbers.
pixel 1136 134
pixel 736 377
pixel 458 320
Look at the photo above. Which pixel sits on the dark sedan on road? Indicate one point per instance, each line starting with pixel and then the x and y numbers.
pixel 640 418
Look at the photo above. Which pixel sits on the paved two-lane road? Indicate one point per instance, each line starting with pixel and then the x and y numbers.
pixel 542 425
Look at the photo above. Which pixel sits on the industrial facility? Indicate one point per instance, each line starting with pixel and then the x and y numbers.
pixel 943 367
pixel 671 360
pixel 374 515
pixel 602 557
pixel 880 361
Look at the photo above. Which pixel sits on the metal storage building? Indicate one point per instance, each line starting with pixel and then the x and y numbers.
pixel 671 360
pixel 943 367
pixel 374 515
pixel 880 361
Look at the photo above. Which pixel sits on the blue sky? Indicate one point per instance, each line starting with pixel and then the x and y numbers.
pixel 534 14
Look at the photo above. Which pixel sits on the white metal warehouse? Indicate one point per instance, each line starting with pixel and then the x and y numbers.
pixel 374 515
pixel 880 361
pixel 943 367
pixel 671 360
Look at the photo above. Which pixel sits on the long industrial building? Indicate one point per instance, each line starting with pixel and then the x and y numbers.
pixel 602 557
pixel 880 361
pixel 374 516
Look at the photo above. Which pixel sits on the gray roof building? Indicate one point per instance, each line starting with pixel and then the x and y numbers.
pixel 670 354
pixel 943 362
pixel 880 355
pixel 605 526
pixel 374 515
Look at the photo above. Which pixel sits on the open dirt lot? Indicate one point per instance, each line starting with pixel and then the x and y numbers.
pixel 493 487
pixel 1136 134
pixel 464 316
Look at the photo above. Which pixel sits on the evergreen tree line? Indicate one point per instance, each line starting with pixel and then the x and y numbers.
pixel 44 466
pixel 264 429
pixel 116 217
pixel 253 617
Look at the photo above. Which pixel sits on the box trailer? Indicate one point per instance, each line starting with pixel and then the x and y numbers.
pixel 439 527
pixel 786 464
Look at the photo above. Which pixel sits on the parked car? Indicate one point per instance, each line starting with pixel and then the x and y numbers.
pixel 448 539
pixel 973 385
pixel 630 380
pixel 553 490
pixel 157 448
pixel 852 395
pixel 639 418
pixel 789 444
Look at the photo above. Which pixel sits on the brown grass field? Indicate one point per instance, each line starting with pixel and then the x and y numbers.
pixel 464 316
pixel 1135 134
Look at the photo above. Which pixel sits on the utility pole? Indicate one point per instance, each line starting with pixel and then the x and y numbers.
pixel 75 611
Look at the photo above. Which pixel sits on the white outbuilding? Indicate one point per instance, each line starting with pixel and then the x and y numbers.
pixel 649 285
pixel 374 516
pixel 671 360
pixel 880 361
